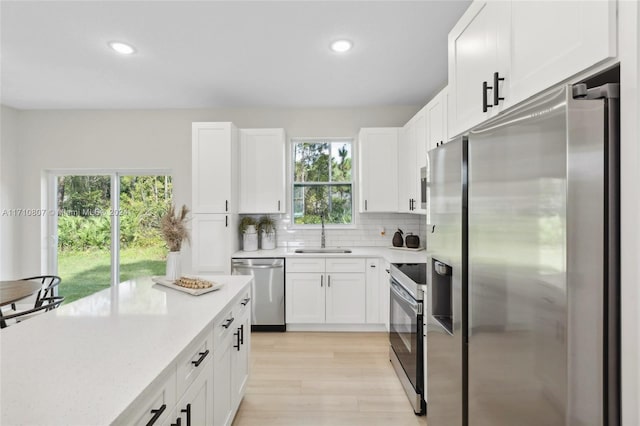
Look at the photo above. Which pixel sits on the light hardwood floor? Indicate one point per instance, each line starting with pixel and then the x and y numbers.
pixel 318 379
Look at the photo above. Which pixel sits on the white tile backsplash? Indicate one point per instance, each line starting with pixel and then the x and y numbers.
pixel 365 233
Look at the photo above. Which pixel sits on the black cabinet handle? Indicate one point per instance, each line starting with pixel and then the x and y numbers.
pixel 496 91
pixel 203 355
pixel 226 221
pixel 485 104
pixel 321 280
pixel 278 205
pixel 228 323
pixel 328 280
pixel 226 205
pixel 156 414
pixel 365 205
pixel 245 301
pixel 409 204
pixel 187 411
pixel 372 266
pixel 237 345
pixel 242 334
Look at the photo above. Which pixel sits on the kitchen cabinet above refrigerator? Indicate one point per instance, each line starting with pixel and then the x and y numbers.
pixel 500 55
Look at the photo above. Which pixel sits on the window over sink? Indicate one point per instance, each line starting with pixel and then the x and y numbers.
pixel 322 181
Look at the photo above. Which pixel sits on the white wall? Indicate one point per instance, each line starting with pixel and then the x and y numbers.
pixel 9 189
pixel 144 139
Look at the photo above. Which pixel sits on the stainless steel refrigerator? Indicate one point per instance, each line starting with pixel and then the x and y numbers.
pixel 523 279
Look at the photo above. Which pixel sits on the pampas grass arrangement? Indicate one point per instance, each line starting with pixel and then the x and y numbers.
pixel 173 227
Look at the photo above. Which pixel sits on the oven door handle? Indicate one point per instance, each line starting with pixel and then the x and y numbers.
pixel 397 291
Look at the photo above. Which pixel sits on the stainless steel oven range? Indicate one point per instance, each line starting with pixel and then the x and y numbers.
pixel 407 286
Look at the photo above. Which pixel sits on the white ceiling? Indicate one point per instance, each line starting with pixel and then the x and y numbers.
pixel 200 54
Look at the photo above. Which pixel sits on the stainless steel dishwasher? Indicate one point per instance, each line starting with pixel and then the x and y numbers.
pixel 268 291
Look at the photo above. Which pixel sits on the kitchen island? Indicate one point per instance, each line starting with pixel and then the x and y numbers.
pixel 95 361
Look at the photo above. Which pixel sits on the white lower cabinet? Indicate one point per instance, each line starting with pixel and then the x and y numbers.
pixel 156 405
pixel 329 291
pixel 373 291
pixel 384 293
pixel 345 298
pixel 222 384
pixel 305 297
pixel 207 381
pixel 214 240
pixel 196 405
pixel 232 335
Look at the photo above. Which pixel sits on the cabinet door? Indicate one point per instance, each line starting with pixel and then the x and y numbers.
pixel 373 292
pixel 378 169
pixel 420 135
pixel 407 163
pixel 211 163
pixel 384 293
pixel 154 404
pixel 211 243
pixel 262 171
pixel 305 298
pixel 436 120
pixel 222 383
pixel 196 406
pixel 240 360
pixel 478 47
pixel 346 299
pixel 576 35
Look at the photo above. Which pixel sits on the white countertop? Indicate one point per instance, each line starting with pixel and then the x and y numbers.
pixel 389 254
pixel 85 362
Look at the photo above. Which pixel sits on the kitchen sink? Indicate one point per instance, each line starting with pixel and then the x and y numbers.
pixel 323 250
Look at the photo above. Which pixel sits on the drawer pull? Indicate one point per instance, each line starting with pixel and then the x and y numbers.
pixel 187 411
pixel 203 355
pixel 237 345
pixel 156 414
pixel 245 301
pixel 228 323
pixel 242 334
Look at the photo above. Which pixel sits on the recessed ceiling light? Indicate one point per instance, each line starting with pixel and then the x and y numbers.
pixel 341 46
pixel 122 48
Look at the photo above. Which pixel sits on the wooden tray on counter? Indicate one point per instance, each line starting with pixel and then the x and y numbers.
pixel 192 291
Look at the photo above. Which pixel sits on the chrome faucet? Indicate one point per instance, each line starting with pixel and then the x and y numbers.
pixel 322 239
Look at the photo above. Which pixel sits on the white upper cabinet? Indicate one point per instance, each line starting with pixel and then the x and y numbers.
pixel 262 171
pixel 503 52
pixel 437 120
pixel 478 45
pixel 412 156
pixel 378 169
pixel 214 155
pixel 574 36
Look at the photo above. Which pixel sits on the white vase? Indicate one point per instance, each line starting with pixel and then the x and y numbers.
pixel 250 239
pixel 173 265
pixel 268 240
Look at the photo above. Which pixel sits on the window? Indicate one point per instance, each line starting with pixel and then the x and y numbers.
pixel 322 181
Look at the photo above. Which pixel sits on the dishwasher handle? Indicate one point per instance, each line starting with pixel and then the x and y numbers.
pixel 245 266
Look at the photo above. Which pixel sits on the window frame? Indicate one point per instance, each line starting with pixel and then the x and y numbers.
pixel 292 175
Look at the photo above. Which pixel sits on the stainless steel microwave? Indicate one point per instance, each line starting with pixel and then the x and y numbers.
pixel 423 187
